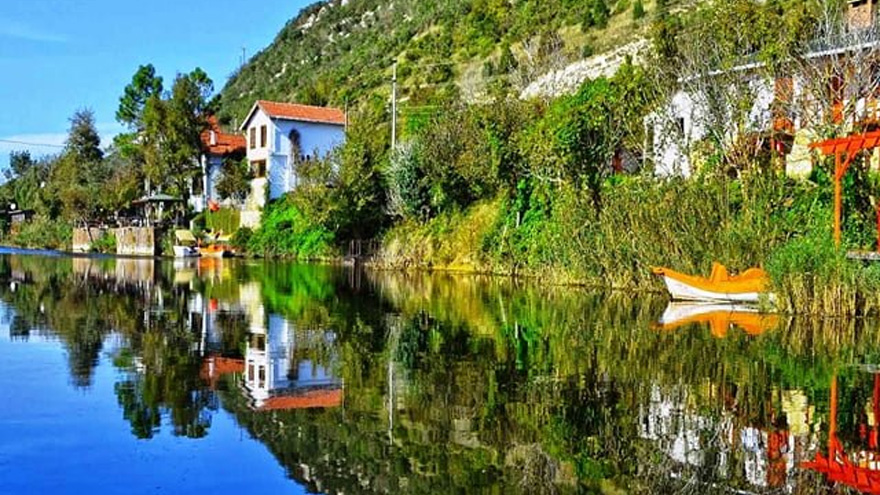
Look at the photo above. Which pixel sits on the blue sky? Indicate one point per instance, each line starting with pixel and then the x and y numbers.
pixel 57 56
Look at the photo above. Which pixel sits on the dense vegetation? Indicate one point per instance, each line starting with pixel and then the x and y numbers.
pixel 336 52
pixel 528 187
pixel 494 183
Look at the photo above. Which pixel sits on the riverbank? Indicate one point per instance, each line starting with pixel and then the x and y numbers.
pixel 763 220
pixel 760 219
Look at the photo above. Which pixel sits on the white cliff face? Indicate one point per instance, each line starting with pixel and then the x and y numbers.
pixel 567 80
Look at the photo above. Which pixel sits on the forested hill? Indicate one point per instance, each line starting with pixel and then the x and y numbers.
pixel 340 51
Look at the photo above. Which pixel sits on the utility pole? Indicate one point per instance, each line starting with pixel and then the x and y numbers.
pixel 394 107
pixel 243 56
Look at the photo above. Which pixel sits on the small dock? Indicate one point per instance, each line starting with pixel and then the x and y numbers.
pixel 360 251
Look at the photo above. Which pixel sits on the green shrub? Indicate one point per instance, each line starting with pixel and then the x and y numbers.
pixel 42 232
pixel 224 220
pixel 284 231
pixel 241 239
pixel 106 243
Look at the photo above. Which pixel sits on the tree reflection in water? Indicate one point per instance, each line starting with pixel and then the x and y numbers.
pixel 376 382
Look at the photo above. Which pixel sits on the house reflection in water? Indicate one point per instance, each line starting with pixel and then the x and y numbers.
pixel 279 375
pixel 279 370
pixel 763 456
pixel 842 447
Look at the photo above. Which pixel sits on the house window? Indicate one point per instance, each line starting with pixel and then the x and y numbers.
pixel 253 137
pixel 197 185
pixel 259 168
pixel 259 342
pixel 250 372
pixel 263 134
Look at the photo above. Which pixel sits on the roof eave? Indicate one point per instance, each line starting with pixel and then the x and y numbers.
pixel 250 116
pixel 311 121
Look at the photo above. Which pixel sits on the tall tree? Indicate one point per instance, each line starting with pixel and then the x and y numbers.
pixel 19 163
pixel 144 84
pixel 78 176
pixel 171 132
pixel 83 141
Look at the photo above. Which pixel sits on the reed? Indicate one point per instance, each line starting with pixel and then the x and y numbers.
pixel 760 219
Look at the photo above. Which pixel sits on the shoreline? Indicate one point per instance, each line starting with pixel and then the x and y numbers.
pixel 794 303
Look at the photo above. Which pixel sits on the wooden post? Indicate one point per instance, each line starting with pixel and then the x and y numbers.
pixel 832 423
pixel 837 199
pixel 875 403
pixel 878 226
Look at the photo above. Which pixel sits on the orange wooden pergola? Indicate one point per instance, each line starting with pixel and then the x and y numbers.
pixel 845 149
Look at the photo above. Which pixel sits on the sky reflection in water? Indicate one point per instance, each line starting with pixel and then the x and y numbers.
pixel 126 376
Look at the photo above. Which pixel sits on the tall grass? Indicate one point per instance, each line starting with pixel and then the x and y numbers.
pixel 762 219
pixel 812 276
pixel 451 241
pixel 643 222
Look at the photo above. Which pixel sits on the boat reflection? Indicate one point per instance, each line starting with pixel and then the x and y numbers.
pixel 719 317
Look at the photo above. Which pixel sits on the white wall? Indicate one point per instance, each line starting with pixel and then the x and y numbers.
pixel 213 170
pixel 315 140
pixel 258 120
pixel 672 148
pixel 670 145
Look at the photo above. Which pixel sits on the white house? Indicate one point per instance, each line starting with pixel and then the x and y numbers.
pixel 217 147
pixel 783 110
pixel 676 128
pixel 279 136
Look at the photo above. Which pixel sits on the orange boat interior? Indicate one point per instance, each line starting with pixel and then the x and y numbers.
pixel 751 280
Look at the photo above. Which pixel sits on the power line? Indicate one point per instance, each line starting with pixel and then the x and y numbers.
pixel 26 143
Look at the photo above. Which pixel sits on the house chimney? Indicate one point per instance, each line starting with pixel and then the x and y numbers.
pixel 213 138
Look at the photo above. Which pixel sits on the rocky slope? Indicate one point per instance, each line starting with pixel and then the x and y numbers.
pixel 341 51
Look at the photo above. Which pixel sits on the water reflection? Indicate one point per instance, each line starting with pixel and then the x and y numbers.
pixel 376 382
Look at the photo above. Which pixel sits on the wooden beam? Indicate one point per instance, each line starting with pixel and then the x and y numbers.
pixel 837 199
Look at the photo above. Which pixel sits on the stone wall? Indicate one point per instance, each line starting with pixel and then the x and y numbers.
pixel 83 239
pixel 569 79
pixel 136 241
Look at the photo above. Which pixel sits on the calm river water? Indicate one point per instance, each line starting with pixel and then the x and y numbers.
pixel 130 377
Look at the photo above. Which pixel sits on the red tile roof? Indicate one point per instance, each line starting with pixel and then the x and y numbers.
pixel 303 113
pixel 309 400
pixel 215 366
pixel 224 144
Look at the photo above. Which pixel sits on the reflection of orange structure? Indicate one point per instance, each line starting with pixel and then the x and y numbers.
pixel 777 444
pixel 719 318
pixel 862 474
pixel 215 366
pixel 309 400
